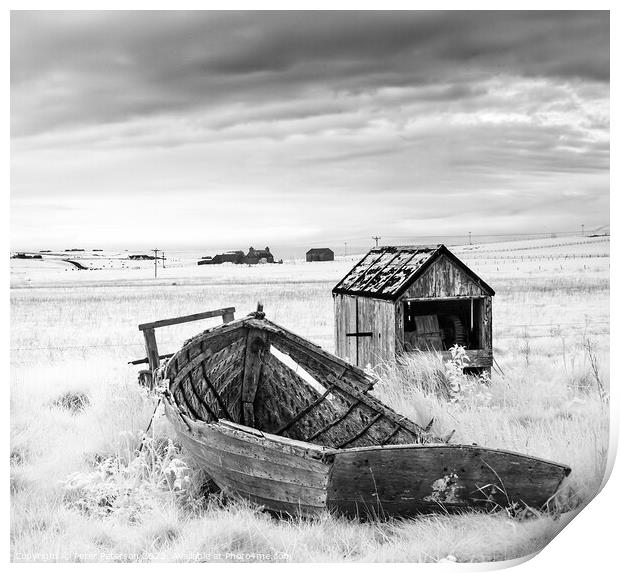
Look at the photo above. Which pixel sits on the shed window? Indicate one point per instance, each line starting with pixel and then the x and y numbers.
pixel 440 324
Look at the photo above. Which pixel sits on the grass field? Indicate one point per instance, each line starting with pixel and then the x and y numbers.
pixel 77 414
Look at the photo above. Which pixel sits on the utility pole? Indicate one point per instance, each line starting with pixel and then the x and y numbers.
pixel 470 237
pixel 155 261
pixel 582 233
pixel 163 260
pixel 345 248
pixel 376 241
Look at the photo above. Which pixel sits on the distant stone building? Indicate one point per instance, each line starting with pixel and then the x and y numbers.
pixel 314 255
pixel 256 256
pixel 232 257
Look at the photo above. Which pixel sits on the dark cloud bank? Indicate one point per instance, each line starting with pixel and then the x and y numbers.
pixel 487 107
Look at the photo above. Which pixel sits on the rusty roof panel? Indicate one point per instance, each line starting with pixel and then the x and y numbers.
pixel 398 278
pixel 391 266
pixel 358 271
pixel 386 272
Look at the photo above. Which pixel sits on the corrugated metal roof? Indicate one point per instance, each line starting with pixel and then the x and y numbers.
pixel 385 272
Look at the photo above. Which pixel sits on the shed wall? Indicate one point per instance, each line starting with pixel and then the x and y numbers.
pixel 354 315
pixel 344 321
pixel 376 316
pixel 443 279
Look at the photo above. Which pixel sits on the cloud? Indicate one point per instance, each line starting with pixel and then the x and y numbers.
pixel 417 119
pixel 112 66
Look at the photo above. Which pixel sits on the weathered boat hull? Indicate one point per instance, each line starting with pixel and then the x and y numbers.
pixel 277 473
pixel 299 478
pixel 277 420
pixel 405 480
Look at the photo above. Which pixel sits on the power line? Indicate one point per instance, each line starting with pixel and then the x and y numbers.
pixel 155 261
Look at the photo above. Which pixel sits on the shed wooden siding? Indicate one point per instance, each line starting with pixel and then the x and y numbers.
pixel 345 321
pixel 376 316
pixel 444 279
pixel 486 323
pixel 371 299
pixel 355 315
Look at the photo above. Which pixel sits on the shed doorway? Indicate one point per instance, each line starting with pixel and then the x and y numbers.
pixel 439 324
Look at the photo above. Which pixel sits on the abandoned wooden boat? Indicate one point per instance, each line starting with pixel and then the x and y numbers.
pixel 277 420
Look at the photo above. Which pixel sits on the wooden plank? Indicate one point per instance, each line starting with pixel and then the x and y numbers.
pixel 303 412
pixel 213 341
pixel 391 435
pixel 404 480
pixel 379 407
pixel 146 360
pixel 228 317
pixel 258 469
pixel 247 483
pixel 375 275
pixel 287 388
pixel 218 398
pixel 186 318
pixel 268 447
pixel 334 422
pixel 199 395
pixel 150 344
pixel 257 345
pixel 187 403
pixel 274 403
pixel 444 278
pixel 360 433
pixel 378 316
pixel 193 363
pixel 394 273
pixel 358 272
pixel 316 366
pixel 305 345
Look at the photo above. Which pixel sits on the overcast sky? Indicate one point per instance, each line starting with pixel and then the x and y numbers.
pixel 221 130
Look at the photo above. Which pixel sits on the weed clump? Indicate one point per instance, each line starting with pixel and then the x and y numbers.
pixel 129 489
pixel 74 402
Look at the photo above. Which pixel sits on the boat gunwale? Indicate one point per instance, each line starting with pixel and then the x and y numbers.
pixel 249 434
pixel 444 446
pixel 328 452
pixel 266 325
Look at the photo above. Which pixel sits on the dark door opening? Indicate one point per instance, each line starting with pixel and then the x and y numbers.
pixel 438 324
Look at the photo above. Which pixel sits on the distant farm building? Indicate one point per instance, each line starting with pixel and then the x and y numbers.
pixel 254 256
pixel 227 257
pixel 411 298
pixel 314 255
pixel 25 256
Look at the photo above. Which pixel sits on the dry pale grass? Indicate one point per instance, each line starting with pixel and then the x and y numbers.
pixel 549 402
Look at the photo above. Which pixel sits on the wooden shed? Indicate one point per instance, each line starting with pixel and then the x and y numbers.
pixel 402 299
pixel 314 255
